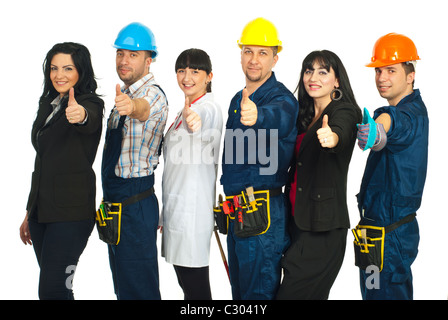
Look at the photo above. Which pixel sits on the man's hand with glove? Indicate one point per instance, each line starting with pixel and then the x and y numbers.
pixel 371 134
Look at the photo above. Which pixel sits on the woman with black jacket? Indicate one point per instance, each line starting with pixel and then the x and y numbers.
pixel 327 129
pixel 65 134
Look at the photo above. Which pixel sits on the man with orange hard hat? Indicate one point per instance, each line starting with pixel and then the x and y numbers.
pixel 387 237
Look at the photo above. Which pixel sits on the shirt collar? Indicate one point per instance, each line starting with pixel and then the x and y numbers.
pixel 268 83
pixel 411 96
pixel 140 83
pixel 56 101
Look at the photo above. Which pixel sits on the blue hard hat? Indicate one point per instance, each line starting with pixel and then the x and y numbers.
pixel 136 37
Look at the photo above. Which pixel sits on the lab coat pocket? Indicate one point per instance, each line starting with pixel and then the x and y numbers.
pixel 176 212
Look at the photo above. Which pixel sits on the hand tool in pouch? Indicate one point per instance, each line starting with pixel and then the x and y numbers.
pixel 238 211
pixel 250 195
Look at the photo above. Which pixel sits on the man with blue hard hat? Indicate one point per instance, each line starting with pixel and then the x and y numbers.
pixel 131 152
pixel 387 237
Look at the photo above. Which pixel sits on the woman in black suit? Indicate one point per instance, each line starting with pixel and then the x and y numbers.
pixel 327 129
pixel 65 134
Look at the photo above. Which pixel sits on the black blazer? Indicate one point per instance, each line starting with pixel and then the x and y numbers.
pixel 321 193
pixel 63 183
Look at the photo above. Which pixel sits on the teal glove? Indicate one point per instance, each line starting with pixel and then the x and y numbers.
pixel 367 131
pixel 371 134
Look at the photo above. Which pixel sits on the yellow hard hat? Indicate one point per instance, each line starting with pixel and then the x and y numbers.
pixel 260 32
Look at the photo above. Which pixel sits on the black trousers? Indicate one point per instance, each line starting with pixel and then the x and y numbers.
pixel 311 264
pixel 194 282
pixel 58 247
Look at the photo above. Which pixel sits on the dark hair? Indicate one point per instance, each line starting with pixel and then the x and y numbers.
pixel 327 60
pixel 408 68
pixel 196 59
pixel 81 58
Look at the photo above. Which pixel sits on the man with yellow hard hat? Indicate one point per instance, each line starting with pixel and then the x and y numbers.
pixel 395 173
pixel 258 147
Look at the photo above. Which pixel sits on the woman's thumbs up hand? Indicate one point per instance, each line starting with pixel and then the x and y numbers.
pixel 192 119
pixel 327 138
pixel 74 112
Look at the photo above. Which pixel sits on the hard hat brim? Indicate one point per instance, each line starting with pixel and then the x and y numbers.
pixel 279 46
pixel 379 63
pixel 154 51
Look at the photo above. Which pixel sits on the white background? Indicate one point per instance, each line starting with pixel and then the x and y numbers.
pixel 349 28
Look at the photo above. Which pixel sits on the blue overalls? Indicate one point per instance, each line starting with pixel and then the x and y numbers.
pixel 391 190
pixel 133 261
pixel 254 262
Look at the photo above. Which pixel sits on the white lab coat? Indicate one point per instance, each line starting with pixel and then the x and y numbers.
pixel 189 186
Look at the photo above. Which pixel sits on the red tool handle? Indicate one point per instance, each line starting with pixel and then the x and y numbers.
pixel 239 211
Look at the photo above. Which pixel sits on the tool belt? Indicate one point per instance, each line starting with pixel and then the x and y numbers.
pixel 108 217
pixel 249 211
pixel 369 243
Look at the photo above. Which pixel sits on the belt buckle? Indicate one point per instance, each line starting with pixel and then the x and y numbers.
pixel 113 208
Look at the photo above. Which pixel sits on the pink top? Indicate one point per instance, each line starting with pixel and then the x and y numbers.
pixel 292 192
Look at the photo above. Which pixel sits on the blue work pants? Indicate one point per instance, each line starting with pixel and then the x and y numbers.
pixel 254 262
pixel 394 282
pixel 133 261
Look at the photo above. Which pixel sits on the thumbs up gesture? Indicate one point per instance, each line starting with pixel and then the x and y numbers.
pixel 74 112
pixel 124 104
pixel 192 119
pixel 249 111
pixel 327 138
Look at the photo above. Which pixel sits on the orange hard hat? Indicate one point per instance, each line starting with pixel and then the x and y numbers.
pixel 391 49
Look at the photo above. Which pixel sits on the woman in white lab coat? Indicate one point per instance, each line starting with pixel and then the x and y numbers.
pixel 191 152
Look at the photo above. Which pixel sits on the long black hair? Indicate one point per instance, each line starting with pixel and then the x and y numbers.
pixel 81 58
pixel 196 59
pixel 327 60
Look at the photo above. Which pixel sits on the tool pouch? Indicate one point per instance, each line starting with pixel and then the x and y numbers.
pixel 108 216
pixel 369 250
pixel 252 219
pixel 221 219
pixel 108 222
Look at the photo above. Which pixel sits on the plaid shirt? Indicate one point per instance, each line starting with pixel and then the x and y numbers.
pixel 141 139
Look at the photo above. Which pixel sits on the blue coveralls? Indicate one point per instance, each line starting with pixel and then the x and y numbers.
pixel 254 262
pixel 392 189
pixel 133 261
